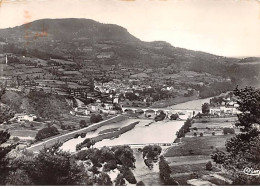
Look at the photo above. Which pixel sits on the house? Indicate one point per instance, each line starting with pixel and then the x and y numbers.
pixel 95 107
pixel 215 110
pixel 82 110
pixel 25 117
pixel 232 110
pixel 108 106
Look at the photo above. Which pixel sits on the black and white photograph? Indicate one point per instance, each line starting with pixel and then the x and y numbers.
pixel 129 93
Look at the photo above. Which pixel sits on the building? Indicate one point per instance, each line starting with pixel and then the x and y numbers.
pixel 25 117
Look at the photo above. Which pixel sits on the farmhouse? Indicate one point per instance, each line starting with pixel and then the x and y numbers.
pixel 25 117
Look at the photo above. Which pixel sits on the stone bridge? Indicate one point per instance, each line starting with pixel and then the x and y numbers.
pixel 167 111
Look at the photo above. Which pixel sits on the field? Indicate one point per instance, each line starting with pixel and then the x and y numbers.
pixel 198 146
pixel 188 159
pixel 212 126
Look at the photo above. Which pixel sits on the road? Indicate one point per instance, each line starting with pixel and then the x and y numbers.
pixel 61 138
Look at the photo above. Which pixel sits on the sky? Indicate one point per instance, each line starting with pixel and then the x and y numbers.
pixel 222 27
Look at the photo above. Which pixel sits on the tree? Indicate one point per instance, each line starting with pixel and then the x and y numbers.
pixel 124 156
pixel 95 118
pixel 82 123
pixel 151 152
pixel 53 167
pixel 249 105
pixel 4 160
pixel 165 172
pixel 209 166
pixel 5 113
pixel 174 116
pixel 205 108
pixel 103 179
pixel 243 149
pixel 128 174
pixel 46 132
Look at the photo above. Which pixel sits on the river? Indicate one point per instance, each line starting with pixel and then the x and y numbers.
pixel 194 104
pixel 145 132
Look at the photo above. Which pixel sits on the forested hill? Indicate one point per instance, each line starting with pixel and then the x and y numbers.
pixel 85 39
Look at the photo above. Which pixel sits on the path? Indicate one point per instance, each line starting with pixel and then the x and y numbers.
pixel 49 142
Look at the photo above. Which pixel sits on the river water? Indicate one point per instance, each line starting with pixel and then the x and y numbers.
pixel 145 132
pixel 194 104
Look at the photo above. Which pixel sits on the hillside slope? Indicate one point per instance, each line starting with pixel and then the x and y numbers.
pixel 85 40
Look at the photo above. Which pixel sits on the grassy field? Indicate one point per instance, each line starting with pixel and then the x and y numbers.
pixel 188 159
pixel 198 146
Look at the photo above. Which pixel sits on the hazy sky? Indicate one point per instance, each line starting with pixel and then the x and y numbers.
pixel 223 27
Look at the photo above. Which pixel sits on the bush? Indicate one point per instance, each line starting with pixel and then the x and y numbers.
pixel 82 123
pixel 110 165
pixel 174 116
pixel 209 166
pixel 201 134
pixel 140 183
pixel 120 181
pixel 128 175
pixel 95 118
pixel 76 135
pixel 228 131
pixel 213 133
pixel 16 139
pixel 82 135
pixel 195 134
pixel 46 132
pixel 195 128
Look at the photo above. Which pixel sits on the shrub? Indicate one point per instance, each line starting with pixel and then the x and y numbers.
pixel 120 181
pixel 82 123
pixel 195 134
pixel 128 175
pixel 82 135
pixel 95 118
pixel 201 134
pixel 16 139
pixel 110 165
pixel 228 131
pixel 209 166
pixel 213 133
pixel 46 132
pixel 151 151
pixel 195 128
pixel 140 183
pixel 76 135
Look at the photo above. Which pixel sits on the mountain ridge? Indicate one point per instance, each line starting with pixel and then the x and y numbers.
pixel 86 39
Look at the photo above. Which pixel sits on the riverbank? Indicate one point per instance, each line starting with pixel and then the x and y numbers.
pixel 65 137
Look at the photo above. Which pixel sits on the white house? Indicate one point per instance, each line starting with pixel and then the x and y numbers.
pixel 25 117
pixel 95 107
pixel 108 106
pixel 215 110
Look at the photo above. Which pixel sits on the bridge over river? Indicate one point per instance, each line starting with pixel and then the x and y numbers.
pixel 167 111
